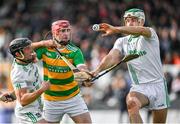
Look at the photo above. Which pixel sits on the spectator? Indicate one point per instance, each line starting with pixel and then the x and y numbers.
pixel 176 85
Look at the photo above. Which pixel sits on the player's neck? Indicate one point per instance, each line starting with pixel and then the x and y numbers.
pixel 21 62
pixel 61 46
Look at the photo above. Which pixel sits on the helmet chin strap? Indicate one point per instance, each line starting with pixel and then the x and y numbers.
pixel 26 61
pixel 22 57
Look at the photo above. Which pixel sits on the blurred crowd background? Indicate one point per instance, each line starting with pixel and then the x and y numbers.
pixel 33 18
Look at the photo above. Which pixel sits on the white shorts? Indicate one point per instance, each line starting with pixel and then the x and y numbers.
pixel 53 111
pixel 29 117
pixel 156 93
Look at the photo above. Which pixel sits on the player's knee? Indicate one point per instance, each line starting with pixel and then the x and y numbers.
pixel 133 105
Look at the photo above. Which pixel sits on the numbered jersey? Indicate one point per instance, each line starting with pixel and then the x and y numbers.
pixel 26 76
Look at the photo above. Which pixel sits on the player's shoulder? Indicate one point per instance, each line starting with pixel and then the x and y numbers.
pixel 72 47
pixel 41 49
pixel 18 72
pixel 49 50
pixel 153 32
pixel 151 29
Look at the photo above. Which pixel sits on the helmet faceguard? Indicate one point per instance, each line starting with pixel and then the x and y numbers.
pixel 58 25
pixel 138 13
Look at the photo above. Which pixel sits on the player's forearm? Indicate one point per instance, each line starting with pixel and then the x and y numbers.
pixel 36 45
pixel 30 97
pixel 134 30
pixel 106 63
pixel 82 67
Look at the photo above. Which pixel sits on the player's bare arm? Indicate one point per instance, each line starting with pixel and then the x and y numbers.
pixel 133 30
pixel 43 43
pixel 109 60
pixel 82 67
pixel 25 97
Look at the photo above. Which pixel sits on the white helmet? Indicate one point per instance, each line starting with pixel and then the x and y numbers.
pixel 135 13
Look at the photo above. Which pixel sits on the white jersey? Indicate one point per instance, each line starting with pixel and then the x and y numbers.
pixel 148 67
pixel 26 76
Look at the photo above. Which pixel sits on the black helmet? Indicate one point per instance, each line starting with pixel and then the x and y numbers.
pixel 18 44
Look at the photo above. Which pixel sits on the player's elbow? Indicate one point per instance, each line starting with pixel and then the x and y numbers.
pixel 23 103
pixel 145 32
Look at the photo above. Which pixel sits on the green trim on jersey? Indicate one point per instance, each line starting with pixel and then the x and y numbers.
pixel 20 63
pixel 72 47
pixel 31 117
pixel 134 39
pixel 17 86
pixel 62 93
pixel 133 74
pixel 166 91
pixel 130 38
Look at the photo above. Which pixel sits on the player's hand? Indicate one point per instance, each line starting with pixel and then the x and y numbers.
pixel 107 29
pixel 87 84
pixel 7 97
pixel 49 43
pixel 94 73
pixel 82 76
pixel 45 85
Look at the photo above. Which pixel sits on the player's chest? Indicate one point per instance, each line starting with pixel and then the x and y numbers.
pixel 33 81
pixel 135 45
pixel 31 75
